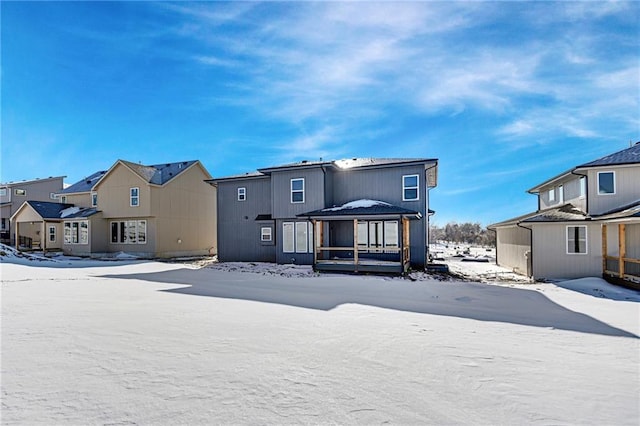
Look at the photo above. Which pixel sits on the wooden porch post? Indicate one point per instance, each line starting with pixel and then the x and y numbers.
pixel 317 243
pixel 406 243
pixel 622 249
pixel 355 245
pixel 43 239
pixel 605 252
pixel 17 242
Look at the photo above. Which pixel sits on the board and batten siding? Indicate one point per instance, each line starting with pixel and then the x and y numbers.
pixel 550 259
pixel 571 191
pixel 627 188
pixel 385 184
pixel 238 231
pixel 513 243
pixel 314 192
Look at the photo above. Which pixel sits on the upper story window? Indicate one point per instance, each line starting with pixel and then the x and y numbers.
pixel 242 194
pixel 63 199
pixel 22 192
pixel 94 199
pixel 561 194
pixel 53 196
pixel 3 192
pixel 552 195
pixel 606 183
pixel 297 190
pixel 583 186
pixel 134 197
pixel 410 188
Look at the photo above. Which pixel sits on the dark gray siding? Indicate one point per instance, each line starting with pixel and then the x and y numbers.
pixel 385 184
pixel 314 192
pixel 238 231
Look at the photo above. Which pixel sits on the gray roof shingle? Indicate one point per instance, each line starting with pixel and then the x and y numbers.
pixel 49 210
pixel 84 185
pixel 626 156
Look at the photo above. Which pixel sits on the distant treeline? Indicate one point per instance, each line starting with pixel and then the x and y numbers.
pixel 470 233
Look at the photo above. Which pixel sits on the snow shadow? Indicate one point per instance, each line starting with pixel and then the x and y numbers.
pixel 456 299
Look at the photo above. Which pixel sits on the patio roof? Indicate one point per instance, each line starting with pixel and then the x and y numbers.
pixel 362 208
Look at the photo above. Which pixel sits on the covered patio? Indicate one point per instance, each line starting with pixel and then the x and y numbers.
pixel 621 246
pixel 362 236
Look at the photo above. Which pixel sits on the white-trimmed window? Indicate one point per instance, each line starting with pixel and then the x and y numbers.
pixel 63 199
pixel 266 234
pixel 3 224
pixel 242 194
pixel 376 236
pixel 22 192
pixel 3 192
pixel 52 234
pixel 94 199
pixel 53 195
pixel 583 186
pixel 134 197
pixel 577 239
pixel 129 232
pixel 76 232
pixel 410 188
pixel 297 190
pixel 552 195
pixel 606 183
pixel 561 194
pixel 297 237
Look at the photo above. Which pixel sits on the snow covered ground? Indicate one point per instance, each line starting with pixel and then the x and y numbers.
pixel 140 342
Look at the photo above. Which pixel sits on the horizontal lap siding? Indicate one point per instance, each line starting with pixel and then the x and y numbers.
pixel 627 187
pixel 512 245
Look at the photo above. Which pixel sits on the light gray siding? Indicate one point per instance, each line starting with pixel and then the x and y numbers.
pixel 550 258
pixel 570 191
pixel 627 186
pixel 238 230
pixel 513 244
pixel 314 192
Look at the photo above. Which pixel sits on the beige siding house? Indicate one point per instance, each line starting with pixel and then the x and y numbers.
pixel 164 210
pixel 14 194
pixel 587 223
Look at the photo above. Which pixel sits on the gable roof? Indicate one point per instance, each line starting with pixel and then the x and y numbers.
pixel 626 156
pixel 84 185
pixel 630 155
pixel 48 210
pixel 566 212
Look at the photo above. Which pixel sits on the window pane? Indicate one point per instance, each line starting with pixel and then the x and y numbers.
pixel 605 183
pixel 84 232
pixel 297 184
pixel 375 234
pixel 142 231
pixel 287 237
pixel 74 232
pixel 410 181
pixel 583 186
pixel 114 232
pixel 391 234
pixel 410 194
pixel 131 232
pixel 301 237
pixel 52 234
pixel 297 197
pixel 122 236
pixel 363 234
pixel 67 233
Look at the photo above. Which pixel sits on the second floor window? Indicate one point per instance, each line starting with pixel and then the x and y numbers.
pixel 20 192
pixel 3 192
pixel 94 199
pixel 552 195
pixel 583 186
pixel 134 197
pixel 242 194
pixel 561 194
pixel 606 183
pixel 410 188
pixel 297 190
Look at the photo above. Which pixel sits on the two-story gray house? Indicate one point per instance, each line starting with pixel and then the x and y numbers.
pixel 361 214
pixel 587 223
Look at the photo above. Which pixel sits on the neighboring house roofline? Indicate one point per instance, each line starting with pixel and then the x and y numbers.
pixel 244 176
pixel 30 181
pixel 45 209
pixel 564 213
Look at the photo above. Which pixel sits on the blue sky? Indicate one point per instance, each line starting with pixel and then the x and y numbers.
pixel 504 94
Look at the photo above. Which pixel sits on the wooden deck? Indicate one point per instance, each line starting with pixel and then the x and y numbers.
pixel 348 265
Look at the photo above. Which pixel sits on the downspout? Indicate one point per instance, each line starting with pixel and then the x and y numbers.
pixel 530 244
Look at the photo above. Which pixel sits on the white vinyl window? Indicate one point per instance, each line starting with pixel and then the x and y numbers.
pixel 583 186
pixel 297 190
pixel 561 194
pixel 75 232
pixel 129 232
pixel 94 199
pixel 295 237
pixel 606 183
pixel 53 196
pixel 410 188
pixel 22 192
pixel 265 233
pixel 134 197
pixel 375 236
pixel 3 192
pixel 52 234
pixel 552 195
pixel 242 194
pixel 576 240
